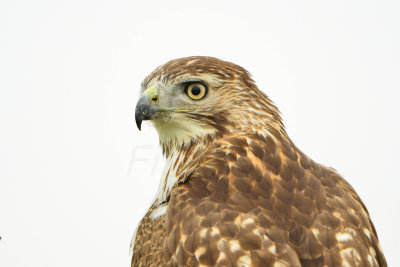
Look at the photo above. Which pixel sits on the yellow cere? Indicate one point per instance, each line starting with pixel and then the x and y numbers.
pixel 152 94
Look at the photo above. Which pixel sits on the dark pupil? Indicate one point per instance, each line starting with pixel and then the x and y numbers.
pixel 196 90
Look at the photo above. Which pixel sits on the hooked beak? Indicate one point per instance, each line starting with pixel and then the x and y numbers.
pixel 144 109
pixel 147 107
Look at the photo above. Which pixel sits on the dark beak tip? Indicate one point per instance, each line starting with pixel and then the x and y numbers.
pixel 144 111
pixel 139 125
pixel 138 120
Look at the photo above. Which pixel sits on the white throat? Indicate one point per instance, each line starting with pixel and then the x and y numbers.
pixel 176 136
pixel 178 132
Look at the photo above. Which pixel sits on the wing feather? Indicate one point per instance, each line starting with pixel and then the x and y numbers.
pixel 259 201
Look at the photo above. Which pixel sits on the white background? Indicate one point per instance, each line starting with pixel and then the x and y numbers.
pixel 76 176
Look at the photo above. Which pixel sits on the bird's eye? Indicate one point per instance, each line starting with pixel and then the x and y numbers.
pixel 196 91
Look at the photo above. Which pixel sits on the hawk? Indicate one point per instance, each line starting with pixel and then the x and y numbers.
pixel 235 190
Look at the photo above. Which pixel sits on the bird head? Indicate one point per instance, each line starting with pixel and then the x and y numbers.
pixel 200 98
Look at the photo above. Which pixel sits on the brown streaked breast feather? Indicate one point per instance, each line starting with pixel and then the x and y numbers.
pixel 268 205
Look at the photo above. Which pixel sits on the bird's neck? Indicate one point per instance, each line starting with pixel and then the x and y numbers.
pixel 185 146
pixel 180 162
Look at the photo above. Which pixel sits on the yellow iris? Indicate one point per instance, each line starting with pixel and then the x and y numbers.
pixel 196 91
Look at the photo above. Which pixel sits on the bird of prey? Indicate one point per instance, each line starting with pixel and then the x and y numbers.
pixel 235 190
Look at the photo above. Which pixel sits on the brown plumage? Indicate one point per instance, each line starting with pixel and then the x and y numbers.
pixel 236 191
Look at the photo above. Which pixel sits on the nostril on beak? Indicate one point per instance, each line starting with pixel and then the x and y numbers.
pixel 154 99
